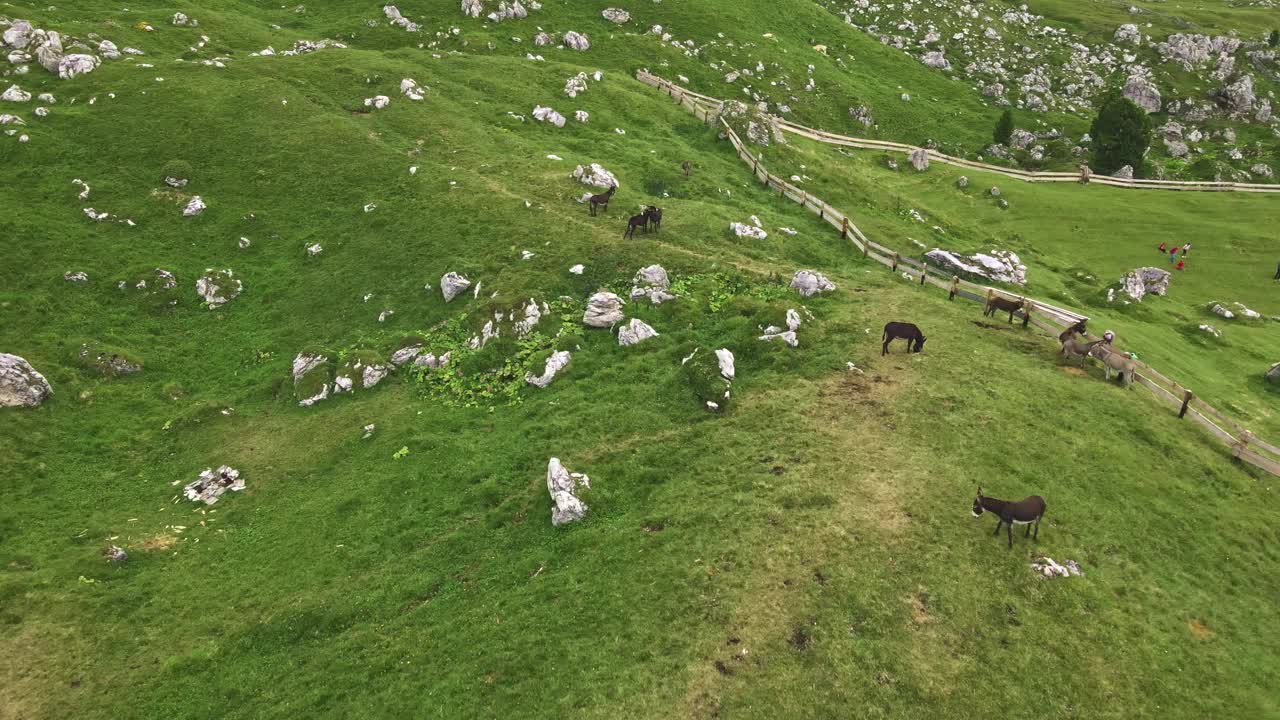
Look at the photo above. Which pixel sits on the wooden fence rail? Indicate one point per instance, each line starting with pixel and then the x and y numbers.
pixel 707 105
pixel 1045 316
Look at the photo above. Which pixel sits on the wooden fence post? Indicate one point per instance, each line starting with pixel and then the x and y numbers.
pixel 955 287
pixel 924 275
pixel 895 262
pixel 865 248
pixel 1026 311
pixel 844 229
pixel 1186 402
pixel 804 197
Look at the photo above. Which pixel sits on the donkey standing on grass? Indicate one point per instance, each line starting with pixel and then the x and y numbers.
pixel 1026 511
pixel 1077 329
pixel 1075 347
pixel 686 166
pixel 654 214
pixel 912 334
pixel 995 304
pixel 602 199
pixel 636 221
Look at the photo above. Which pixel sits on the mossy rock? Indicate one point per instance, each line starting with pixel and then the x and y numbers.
pixel 156 288
pixel 702 372
pixel 107 361
pixel 313 384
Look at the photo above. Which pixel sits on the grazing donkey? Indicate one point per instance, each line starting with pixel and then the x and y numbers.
pixel 1023 512
pixel 906 331
pixel 654 214
pixel 1077 329
pixel 1114 361
pixel 602 199
pixel 1074 347
pixel 995 304
pixel 686 166
pixel 636 221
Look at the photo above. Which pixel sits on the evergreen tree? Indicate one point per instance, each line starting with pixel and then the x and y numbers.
pixel 1121 134
pixel 1004 128
pixel 1274 38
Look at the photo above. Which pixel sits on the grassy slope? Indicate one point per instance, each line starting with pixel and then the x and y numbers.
pixel 821 525
pixel 1077 241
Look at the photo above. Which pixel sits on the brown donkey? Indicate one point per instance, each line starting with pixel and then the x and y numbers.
pixel 1026 511
pixel 995 304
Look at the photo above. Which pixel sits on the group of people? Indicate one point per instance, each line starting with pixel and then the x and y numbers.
pixel 1182 262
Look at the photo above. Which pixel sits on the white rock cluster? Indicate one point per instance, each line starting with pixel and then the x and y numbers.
pixel 212 484
pixel 809 283
pixel 563 486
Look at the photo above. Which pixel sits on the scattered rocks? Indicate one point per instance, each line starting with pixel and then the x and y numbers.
pixel 935 59
pixel 395 18
pixel 776 333
pixel 755 122
pixel 20 384
pixel 999 265
pixel 862 114
pixel 377 102
pixel 1144 281
pixel 1247 313
pixel 809 283
pixel 429 360
pixel 1238 96
pixel 1128 34
pixel 1211 330
pixel 218 287
pixel 110 364
pixel 563 487
pixel 635 331
pixel 557 362
pixel 452 285
pixel 752 230
pixel 652 282
pixel 616 15
pixel 405 354
pixel 507 12
pixel 194 207
pixel 181 20
pixel 604 309
pixel 412 90
pixel 594 175
pixel 1261 170
pixel 212 484
pixel 576 41
pixel 472 8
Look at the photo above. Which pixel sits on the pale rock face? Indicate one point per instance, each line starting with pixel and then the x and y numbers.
pixel 809 283
pixel 594 175
pixel 76 64
pixel 452 285
pixel 635 331
pixel 194 207
pixel 18 34
pixel 405 354
pixel 557 362
pixel 1128 34
pixel 724 358
pixel 562 485
pixel 1144 281
pixel 1143 92
pixel 604 309
pixel 377 102
pixel 109 50
pixel 20 384
pixel 999 265
pixel 576 41
pixel 395 18
pixel 1239 95
pixel 1124 173
pixel 15 94
pixel 373 374
pixel 745 230
pixel 213 483
pixel 472 8
pixel 412 90
pixel 546 114
pixel 218 287
pixel 652 282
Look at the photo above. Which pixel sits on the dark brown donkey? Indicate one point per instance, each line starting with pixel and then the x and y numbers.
pixel 602 200
pixel 912 334
pixel 655 218
pixel 1023 512
pixel 995 304
pixel 1077 329
pixel 685 166
pixel 636 221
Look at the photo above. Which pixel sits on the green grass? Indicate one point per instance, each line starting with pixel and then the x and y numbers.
pixel 806 553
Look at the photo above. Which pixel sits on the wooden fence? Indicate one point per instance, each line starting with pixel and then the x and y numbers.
pixel 702 105
pixel 1045 316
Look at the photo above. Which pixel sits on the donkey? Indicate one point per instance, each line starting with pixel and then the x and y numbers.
pixel 1077 329
pixel 1074 347
pixel 655 217
pixel 1026 511
pixel 602 199
pixel 686 166
pixel 995 303
pixel 1114 361
pixel 636 221
pixel 906 331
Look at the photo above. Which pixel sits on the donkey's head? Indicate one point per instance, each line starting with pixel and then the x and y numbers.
pixel 919 344
pixel 977 504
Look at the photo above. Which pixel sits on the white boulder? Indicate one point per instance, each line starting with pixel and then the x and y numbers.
pixel 563 487
pixel 557 362
pixel 604 309
pixel 809 283
pixel 452 285
pixel 635 331
pixel 20 384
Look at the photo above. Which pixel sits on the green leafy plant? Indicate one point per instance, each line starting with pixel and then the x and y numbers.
pixel 1004 128
pixel 1121 134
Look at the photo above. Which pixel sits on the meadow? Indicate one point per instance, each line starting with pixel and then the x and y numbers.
pixel 807 553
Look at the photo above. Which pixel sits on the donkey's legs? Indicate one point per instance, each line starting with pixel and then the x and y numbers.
pixel 1037 537
pixel 1028 532
pixel 998 524
pixel 1009 527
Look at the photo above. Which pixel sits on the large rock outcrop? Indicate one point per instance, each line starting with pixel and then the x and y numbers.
pixel 1144 281
pixel 998 265
pixel 635 332
pixel 452 285
pixel 1142 91
pixel 20 384
pixel 809 283
pixel 604 309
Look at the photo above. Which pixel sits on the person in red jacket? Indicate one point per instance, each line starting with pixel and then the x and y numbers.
pixel 1182 264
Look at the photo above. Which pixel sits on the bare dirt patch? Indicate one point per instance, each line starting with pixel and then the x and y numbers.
pixel 1073 370
pixel 1199 629
pixel 919 601
pixel 163 541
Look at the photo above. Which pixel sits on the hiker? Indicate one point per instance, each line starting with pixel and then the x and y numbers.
pixel 1186 249
pixel 1181 264
pixel 1164 248
pixel 1173 254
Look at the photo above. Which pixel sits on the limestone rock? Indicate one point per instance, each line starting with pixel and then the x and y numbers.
pixel 194 207
pixel 15 94
pixel 1128 34
pixel 576 41
pixel 377 102
pixel 724 358
pixel 563 488
pixel 78 276
pixel 76 64
pixel 181 20
pixel 109 50
pixel 405 354
pixel 20 384
pixel 1261 170
pixel 109 364
pixel 546 114
pixel 604 309
pixel 310 378
pixel 557 362
pixel 395 18
pixel 594 175
pixel 452 285
pixel 1124 173
pixel 1142 91
pixel 18 34
pixel 1239 95
pixel 962 182
pixel 472 8
pixel 1144 281
pixel 1219 309
pixel 777 333
pixel 652 282
pixel 998 265
pixel 412 90
pixel 752 230
pixel 616 15
pixel 919 159
pixel 218 287
pixel 115 554
pixel 213 483
pixel 809 283
pixel 862 114
pixel 935 59
pixel 635 331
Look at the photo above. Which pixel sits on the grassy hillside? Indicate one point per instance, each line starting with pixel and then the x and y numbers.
pixel 806 551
